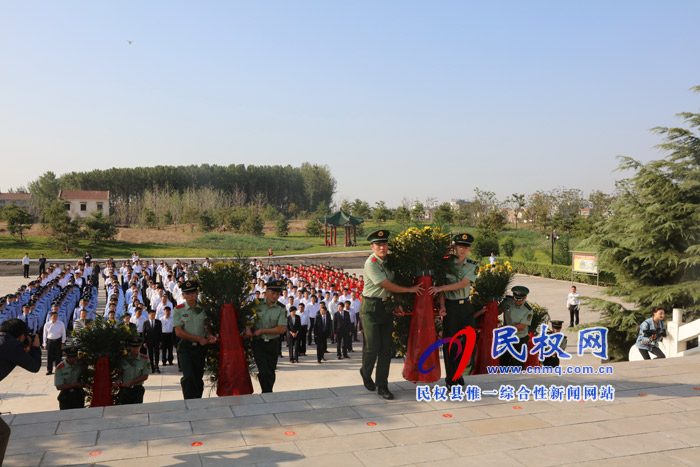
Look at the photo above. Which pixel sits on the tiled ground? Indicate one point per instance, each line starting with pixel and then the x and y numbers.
pixel 654 419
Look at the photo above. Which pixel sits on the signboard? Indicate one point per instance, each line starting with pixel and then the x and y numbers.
pixel 585 263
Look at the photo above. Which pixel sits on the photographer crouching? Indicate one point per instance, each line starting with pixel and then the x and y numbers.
pixel 18 346
pixel 651 332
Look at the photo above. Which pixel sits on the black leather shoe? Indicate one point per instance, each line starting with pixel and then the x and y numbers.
pixel 384 393
pixel 369 384
pixel 339 357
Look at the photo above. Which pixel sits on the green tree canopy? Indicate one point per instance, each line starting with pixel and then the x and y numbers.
pixel 282 227
pixel 651 241
pixel 64 231
pixel 99 228
pixel 18 220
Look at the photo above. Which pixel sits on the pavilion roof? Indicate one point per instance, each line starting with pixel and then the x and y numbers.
pixel 340 218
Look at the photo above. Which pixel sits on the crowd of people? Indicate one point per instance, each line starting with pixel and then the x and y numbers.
pixel 144 295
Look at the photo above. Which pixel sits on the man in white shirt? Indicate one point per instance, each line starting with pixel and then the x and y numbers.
pixel 25 264
pixel 167 336
pixel 573 301
pixel 312 308
pixel 355 310
pixel 54 338
pixel 138 319
pixel 303 313
pixel 164 303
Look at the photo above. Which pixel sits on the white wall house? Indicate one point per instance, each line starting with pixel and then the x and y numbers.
pixel 81 203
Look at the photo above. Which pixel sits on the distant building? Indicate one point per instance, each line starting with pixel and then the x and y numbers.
pixel 19 199
pixel 80 203
pixel 585 212
pixel 456 203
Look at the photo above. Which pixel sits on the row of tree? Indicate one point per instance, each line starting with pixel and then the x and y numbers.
pixel 175 188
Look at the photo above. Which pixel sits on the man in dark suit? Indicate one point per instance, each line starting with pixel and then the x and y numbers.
pixel 342 327
pixel 152 333
pixel 293 336
pixel 323 328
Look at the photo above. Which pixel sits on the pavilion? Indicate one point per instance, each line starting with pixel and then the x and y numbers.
pixel 340 219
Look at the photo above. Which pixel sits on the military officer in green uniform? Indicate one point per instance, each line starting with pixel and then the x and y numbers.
pixel 553 360
pixel 189 321
pixel 377 320
pixel 67 380
pixel 270 322
pixel 456 310
pixel 518 313
pixel 135 370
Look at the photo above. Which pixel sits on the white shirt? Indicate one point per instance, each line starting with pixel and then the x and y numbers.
pixel 312 309
pixel 25 260
pixel 139 322
pixel 160 311
pixel 167 323
pixel 332 307
pixel 55 330
pixel 304 317
pixel 573 299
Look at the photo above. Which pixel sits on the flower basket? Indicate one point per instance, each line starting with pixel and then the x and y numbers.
pixel 418 256
pixel 101 349
pixel 224 289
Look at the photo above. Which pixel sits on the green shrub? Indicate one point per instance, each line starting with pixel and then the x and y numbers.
pixel 558 271
pixel 508 246
pixel 484 245
pixel 528 254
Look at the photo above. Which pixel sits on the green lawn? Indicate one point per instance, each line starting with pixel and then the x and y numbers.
pixel 230 245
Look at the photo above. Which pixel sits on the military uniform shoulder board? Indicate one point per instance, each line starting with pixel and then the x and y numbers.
pixel 180 305
pixel 61 365
pixel 143 356
pixel 528 306
pixel 471 261
pixel 281 305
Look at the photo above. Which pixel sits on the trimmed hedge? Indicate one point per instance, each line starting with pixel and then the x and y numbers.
pixel 561 272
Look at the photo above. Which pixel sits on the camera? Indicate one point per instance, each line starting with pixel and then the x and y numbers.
pixel 658 332
pixel 29 339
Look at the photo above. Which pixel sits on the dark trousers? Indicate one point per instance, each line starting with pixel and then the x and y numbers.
pixel 655 350
pixel 293 344
pixel 302 339
pixel 26 271
pixel 321 347
pixel 4 438
pixel 191 359
pixel 71 399
pixel 167 340
pixel 42 268
pixel 377 326
pixel 53 354
pixel 573 315
pixel 509 360
pixel 266 354
pixel 153 355
pixel 342 342
pixel 354 332
pixel 310 330
pixel 459 316
pixel 132 395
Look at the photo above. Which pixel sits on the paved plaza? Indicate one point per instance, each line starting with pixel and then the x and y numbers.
pixel 322 415
pixel 653 420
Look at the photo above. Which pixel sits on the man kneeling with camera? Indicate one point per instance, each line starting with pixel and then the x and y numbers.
pixel 18 346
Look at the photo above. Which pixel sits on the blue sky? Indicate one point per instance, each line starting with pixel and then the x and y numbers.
pixel 400 99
